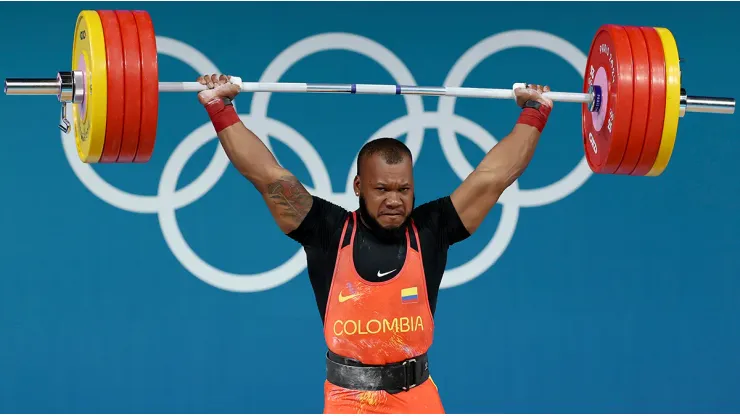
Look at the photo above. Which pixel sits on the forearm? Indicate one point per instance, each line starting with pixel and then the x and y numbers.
pixel 249 155
pixel 508 159
pixel 245 150
pixel 506 162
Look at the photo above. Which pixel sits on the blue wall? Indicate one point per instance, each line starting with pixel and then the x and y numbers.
pixel 602 294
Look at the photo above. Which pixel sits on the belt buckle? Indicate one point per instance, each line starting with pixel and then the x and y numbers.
pixel 406 379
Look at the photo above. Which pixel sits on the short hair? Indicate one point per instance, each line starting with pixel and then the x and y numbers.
pixel 392 150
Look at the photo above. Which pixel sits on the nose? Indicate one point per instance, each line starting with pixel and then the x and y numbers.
pixel 393 201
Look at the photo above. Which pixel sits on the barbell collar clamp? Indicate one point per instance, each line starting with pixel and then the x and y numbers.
pixel 68 86
pixel 595 104
pixel 65 124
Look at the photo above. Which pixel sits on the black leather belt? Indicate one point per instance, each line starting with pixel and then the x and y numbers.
pixel 393 378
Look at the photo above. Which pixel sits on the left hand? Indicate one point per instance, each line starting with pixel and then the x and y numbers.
pixel 532 92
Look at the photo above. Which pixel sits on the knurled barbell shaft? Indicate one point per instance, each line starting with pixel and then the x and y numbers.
pixel 375 89
pixel 51 86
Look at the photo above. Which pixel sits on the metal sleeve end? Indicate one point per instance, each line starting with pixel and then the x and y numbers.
pixel 713 105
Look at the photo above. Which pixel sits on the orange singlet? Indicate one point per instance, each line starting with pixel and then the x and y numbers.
pixel 376 324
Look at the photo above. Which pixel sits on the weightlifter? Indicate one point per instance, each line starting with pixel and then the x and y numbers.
pixel 376 272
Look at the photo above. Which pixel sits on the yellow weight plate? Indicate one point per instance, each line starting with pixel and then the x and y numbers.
pixel 88 56
pixel 672 102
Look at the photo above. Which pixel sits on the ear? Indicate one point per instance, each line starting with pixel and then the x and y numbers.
pixel 357 185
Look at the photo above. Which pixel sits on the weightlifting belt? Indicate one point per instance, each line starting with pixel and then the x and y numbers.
pixel 393 378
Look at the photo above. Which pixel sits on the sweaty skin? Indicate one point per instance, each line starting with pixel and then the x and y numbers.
pixel 391 246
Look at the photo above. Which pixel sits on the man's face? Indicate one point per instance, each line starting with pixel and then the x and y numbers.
pixel 387 190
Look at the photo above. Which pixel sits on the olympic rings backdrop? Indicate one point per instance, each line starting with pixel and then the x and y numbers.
pixel 166 287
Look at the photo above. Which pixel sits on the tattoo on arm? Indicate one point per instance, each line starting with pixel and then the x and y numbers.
pixel 292 201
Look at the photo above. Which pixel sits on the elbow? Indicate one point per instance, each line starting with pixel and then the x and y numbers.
pixel 261 176
pixel 497 180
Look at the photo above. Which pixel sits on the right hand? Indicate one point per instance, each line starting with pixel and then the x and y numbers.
pixel 219 86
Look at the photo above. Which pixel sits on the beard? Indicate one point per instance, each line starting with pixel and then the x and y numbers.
pixel 388 235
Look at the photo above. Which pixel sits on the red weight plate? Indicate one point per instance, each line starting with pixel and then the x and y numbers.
pixel 132 94
pixel 640 100
pixel 606 132
pixel 149 86
pixel 656 113
pixel 115 112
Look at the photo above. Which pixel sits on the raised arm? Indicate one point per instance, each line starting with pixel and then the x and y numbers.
pixel 287 199
pixel 505 162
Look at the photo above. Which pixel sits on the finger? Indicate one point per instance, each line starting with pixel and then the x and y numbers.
pixel 214 79
pixel 201 80
pixel 547 88
pixel 223 79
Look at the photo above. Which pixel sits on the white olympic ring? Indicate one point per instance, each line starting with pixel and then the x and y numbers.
pixel 169 199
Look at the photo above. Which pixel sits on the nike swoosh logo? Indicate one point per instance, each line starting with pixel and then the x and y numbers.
pixel 386 273
pixel 343 299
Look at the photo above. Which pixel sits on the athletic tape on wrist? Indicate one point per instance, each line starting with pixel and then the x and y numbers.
pixel 535 118
pixel 222 114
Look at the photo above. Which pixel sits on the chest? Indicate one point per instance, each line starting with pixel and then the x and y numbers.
pixel 376 262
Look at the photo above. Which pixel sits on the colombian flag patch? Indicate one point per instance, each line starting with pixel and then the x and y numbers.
pixel 409 295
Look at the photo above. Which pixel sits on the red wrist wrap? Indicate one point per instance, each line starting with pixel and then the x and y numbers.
pixel 222 115
pixel 535 118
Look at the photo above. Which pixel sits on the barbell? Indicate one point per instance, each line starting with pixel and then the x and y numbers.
pixel 631 97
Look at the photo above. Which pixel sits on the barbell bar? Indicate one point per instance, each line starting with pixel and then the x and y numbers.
pixel 631 101
pixel 53 86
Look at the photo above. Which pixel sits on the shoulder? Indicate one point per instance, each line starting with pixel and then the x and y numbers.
pixel 322 225
pixel 432 211
pixel 439 219
pixel 324 207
